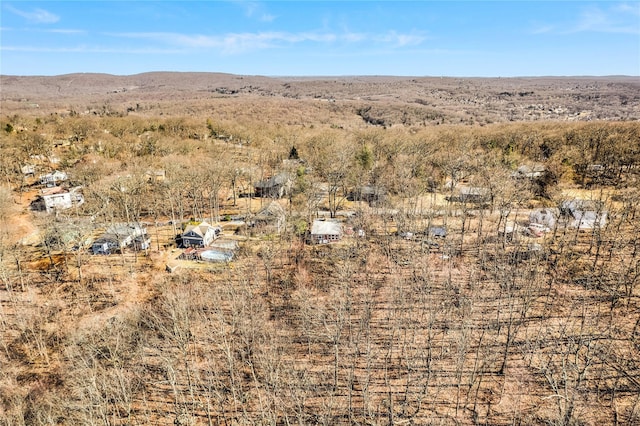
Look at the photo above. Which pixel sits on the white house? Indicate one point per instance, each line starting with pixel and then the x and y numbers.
pixel 52 179
pixel 584 214
pixel 325 231
pixel 56 198
pixel 541 221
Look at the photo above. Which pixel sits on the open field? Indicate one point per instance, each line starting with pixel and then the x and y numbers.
pixel 439 303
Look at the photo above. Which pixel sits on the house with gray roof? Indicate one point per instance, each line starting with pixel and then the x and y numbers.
pixel 121 235
pixel 325 231
pixel 274 187
pixel 200 234
pixel 271 217
pixel 583 214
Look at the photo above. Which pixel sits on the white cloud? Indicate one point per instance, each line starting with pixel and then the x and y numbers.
pixel 632 9
pixel 544 29
pixel 255 9
pixel 65 31
pixel 232 43
pixel 400 40
pixel 89 49
pixel 621 18
pixel 36 16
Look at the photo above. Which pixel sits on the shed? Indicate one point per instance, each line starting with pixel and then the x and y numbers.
pixel 28 170
pixel 157 175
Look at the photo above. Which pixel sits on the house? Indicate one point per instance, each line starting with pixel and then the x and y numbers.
pixel 325 231
pixel 106 244
pixel 372 194
pixel 56 198
pixel 542 220
pixel 199 234
pixel 530 172
pixel 119 236
pixel 274 187
pixel 474 195
pixel 52 179
pixel 583 214
pixel 437 232
pixel 270 217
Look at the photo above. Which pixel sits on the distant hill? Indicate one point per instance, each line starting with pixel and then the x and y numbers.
pixel 418 98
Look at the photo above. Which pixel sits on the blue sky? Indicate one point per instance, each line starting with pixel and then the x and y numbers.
pixel 322 38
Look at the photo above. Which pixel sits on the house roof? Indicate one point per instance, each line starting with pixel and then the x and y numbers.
pixel 372 190
pixel 530 171
pixel 200 229
pixel 580 205
pixel 326 227
pixel 126 229
pixel 272 211
pixel 57 175
pixel 277 180
pixel 52 191
pixel 437 231
pixel 543 216
pixel 474 190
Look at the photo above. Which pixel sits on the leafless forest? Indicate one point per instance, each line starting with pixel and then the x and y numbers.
pixel 484 268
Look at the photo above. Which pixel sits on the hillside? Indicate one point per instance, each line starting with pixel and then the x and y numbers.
pixel 204 249
pixel 394 100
